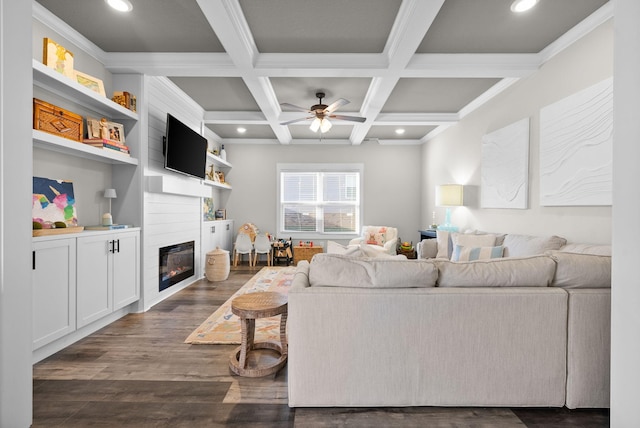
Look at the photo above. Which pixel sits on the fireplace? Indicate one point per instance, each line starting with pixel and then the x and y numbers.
pixel 176 264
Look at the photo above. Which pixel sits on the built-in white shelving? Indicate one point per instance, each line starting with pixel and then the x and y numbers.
pixel 52 81
pixel 225 186
pixel 218 161
pixel 44 140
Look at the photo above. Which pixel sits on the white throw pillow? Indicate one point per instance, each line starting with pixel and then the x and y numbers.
pixel 526 245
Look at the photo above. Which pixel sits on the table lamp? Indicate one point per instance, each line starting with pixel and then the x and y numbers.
pixel 449 195
pixel 109 194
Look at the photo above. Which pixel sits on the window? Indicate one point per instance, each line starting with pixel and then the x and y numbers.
pixel 319 199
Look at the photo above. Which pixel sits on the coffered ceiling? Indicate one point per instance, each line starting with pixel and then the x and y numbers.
pixel 416 65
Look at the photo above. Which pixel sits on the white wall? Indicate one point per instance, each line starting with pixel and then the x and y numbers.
pixel 454 156
pixel 391 184
pixel 15 213
pixel 625 293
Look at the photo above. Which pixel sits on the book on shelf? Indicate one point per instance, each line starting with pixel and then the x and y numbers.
pixel 109 227
pixel 106 144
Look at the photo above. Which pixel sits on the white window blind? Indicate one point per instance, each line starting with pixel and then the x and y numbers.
pixel 319 200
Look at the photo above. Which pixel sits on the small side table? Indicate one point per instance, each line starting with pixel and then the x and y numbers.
pixel 249 307
pixel 428 234
pixel 305 253
pixel 410 254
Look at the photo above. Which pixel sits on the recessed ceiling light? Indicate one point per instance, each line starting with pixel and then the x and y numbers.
pixel 519 6
pixel 399 131
pixel 120 5
pixel 242 130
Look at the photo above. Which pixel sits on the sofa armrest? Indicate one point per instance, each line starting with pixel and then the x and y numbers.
pixel 356 241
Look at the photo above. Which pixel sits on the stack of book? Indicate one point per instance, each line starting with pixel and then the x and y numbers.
pixel 103 143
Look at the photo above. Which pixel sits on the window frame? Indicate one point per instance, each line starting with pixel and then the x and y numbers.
pixel 315 168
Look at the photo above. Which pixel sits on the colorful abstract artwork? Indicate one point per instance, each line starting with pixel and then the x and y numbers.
pixel 53 200
pixel 208 212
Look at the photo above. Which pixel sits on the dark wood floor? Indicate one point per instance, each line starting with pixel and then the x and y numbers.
pixel 138 372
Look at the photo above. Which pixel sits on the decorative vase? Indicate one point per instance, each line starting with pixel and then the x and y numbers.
pixel 223 153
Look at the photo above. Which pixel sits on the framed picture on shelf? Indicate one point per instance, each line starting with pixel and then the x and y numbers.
pixel 93 83
pixel 57 57
pixel 220 177
pixel 221 214
pixel 93 127
pixel 116 132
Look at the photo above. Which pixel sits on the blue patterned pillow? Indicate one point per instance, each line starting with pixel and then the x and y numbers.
pixel 467 254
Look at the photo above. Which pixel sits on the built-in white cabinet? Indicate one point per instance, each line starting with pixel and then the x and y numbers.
pixel 54 290
pixel 108 274
pixel 217 233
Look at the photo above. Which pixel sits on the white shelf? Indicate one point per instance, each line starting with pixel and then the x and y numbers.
pixel 49 79
pixel 175 186
pixel 54 143
pixel 218 161
pixel 225 186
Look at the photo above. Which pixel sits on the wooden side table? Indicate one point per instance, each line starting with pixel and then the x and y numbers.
pixel 305 253
pixel 249 307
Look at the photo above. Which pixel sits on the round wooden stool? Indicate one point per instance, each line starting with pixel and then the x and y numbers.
pixel 249 307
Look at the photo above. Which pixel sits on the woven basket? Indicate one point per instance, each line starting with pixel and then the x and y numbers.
pixel 218 265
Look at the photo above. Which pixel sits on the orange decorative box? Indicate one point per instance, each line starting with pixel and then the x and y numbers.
pixel 56 120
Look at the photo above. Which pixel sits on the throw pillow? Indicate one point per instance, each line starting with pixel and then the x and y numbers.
pixel 375 236
pixel 471 240
pixel 445 247
pixel 466 254
pixel 526 245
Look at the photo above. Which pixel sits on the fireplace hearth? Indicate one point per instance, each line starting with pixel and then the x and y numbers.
pixel 176 264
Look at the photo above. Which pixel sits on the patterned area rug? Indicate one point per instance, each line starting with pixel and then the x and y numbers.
pixel 223 327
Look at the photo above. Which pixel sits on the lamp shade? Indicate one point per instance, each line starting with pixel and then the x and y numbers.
pixel 449 195
pixel 110 193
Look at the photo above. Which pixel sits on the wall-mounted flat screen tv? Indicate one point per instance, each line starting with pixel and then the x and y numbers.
pixel 185 150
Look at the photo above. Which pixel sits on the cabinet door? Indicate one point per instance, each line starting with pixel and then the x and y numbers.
pixel 54 290
pixel 126 259
pixel 226 242
pixel 94 267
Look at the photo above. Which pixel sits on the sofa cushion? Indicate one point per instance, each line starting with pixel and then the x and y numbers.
pixel 526 245
pixel 465 254
pixel 576 270
pixel 337 270
pixel 534 271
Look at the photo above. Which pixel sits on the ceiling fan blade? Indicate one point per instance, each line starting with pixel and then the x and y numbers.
pixel 349 118
pixel 294 107
pixel 296 120
pixel 336 105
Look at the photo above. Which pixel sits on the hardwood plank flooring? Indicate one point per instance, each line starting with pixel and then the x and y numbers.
pixel 138 372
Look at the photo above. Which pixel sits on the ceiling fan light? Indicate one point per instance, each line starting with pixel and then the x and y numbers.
pixel 120 5
pixel 520 6
pixel 325 125
pixel 315 125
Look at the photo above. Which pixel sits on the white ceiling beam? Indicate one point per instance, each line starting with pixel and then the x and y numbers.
pixel 402 119
pixel 205 64
pixel 232 29
pixel 472 65
pixel 413 20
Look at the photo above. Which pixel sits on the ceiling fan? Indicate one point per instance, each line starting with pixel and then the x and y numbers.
pixel 320 113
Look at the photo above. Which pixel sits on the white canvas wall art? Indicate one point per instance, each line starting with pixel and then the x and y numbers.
pixel 576 143
pixel 505 167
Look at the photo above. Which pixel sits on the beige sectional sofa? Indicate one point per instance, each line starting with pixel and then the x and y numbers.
pixel 529 330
